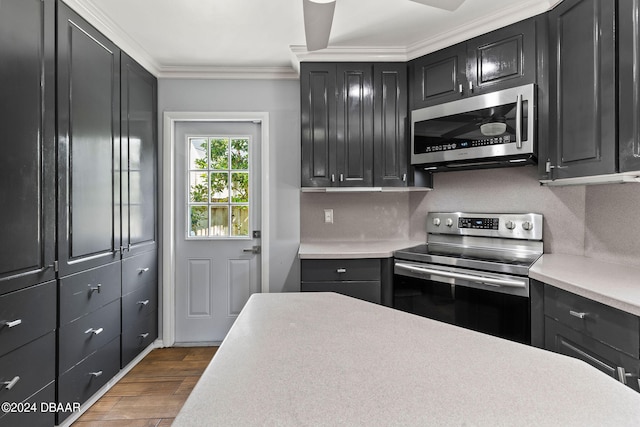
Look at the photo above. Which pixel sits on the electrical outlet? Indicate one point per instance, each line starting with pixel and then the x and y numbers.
pixel 328 216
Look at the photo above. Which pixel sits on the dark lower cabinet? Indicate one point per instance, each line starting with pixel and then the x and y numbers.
pixel 27 135
pixel 604 337
pixel 369 279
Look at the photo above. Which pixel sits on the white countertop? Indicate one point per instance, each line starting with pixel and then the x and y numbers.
pixel 310 359
pixel 351 249
pixel 611 284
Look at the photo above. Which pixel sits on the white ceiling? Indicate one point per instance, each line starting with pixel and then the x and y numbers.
pixel 265 38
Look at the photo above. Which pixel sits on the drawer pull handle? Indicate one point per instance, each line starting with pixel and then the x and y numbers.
pixel 578 314
pixel 143 336
pixel 143 270
pixel 12 323
pixel 94 331
pixel 93 289
pixel 95 374
pixel 8 385
pixel 623 375
pixel 341 270
pixel 145 302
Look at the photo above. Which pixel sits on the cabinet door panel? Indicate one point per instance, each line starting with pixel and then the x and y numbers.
pixel 318 124
pixel 88 126
pixel 440 76
pixel 503 58
pixel 27 168
pixel 629 75
pixel 138 157
pixel 583 99
pixel 391 144
pixel 355 125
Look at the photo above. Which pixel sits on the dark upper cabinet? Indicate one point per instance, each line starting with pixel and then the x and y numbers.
pixel 88 145
pixel 582 89
pixel 27 136
pixel 390 137
pixel 354 125
pixel 497 60
pixel 318 123
pixel 629 85
pixel 138 176
pixel 439 77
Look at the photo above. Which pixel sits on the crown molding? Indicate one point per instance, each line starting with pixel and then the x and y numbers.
pixel 455 35
pixel 114 32
pixel 227 73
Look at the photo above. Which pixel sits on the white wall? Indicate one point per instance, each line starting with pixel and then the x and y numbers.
pixel 281 99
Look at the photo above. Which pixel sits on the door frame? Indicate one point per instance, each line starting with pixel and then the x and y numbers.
pixel 170 118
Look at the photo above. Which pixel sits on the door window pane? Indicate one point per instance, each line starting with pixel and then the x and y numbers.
pixel 219 180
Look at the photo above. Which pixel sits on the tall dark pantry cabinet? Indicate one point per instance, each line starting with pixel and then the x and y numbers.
pixel 78 271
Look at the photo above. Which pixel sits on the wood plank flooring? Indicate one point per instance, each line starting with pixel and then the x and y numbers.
pixel 152 393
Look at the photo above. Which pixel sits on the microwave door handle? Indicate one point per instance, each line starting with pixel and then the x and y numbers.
pixel 519 122
pixel 471 277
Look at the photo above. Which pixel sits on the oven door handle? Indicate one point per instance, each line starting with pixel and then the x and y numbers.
pixel 482 279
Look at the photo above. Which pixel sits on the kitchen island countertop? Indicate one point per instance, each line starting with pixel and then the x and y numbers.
pixel 309 359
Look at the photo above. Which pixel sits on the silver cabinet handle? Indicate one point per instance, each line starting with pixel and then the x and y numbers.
pixel 519 122
pixel 341 177
pixel 13 323
pixel 404 177
pixel 143 336
pixel 471 87
pixel 479 279
pixel 623 375
pixel 145 302
pixel 341 270
pixel 333 177
pixel 93 289
pixel 143 270
pixel 460 89
pixel 8 385
pixel 578 314
pixel 94 331
pixel 95 374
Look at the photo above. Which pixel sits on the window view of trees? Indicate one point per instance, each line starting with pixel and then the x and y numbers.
pixel 219 186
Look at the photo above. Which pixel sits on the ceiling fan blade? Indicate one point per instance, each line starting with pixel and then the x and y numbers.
pixel 449 5
pixel 318 16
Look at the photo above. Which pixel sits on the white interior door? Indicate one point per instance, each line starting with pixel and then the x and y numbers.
pixel 217 214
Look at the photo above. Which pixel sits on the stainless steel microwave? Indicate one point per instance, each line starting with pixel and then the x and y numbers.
pixel 488 130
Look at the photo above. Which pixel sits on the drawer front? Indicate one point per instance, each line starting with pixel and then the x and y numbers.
pixel 320 270
pixel 27 369
pixel 138 304
pixel 38 418
pixel 26 315
pixel 604 323
pixel 368 291
pixel 84 336
pixel 81 382
pixel 139 336
pixel 84 292
pixel 616 364
pixel 138 271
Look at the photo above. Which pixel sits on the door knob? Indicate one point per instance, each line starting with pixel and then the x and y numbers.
pixel 254 249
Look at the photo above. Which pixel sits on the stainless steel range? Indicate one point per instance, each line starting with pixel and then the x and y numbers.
pixel 472 272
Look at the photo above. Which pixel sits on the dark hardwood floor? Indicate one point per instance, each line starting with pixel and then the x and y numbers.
pixel 152 393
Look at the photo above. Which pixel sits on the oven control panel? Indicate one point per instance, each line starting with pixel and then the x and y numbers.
pixel 512 226
pixel 479 223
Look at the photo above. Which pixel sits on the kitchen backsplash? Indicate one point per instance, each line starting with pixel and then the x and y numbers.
pixel 595 221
